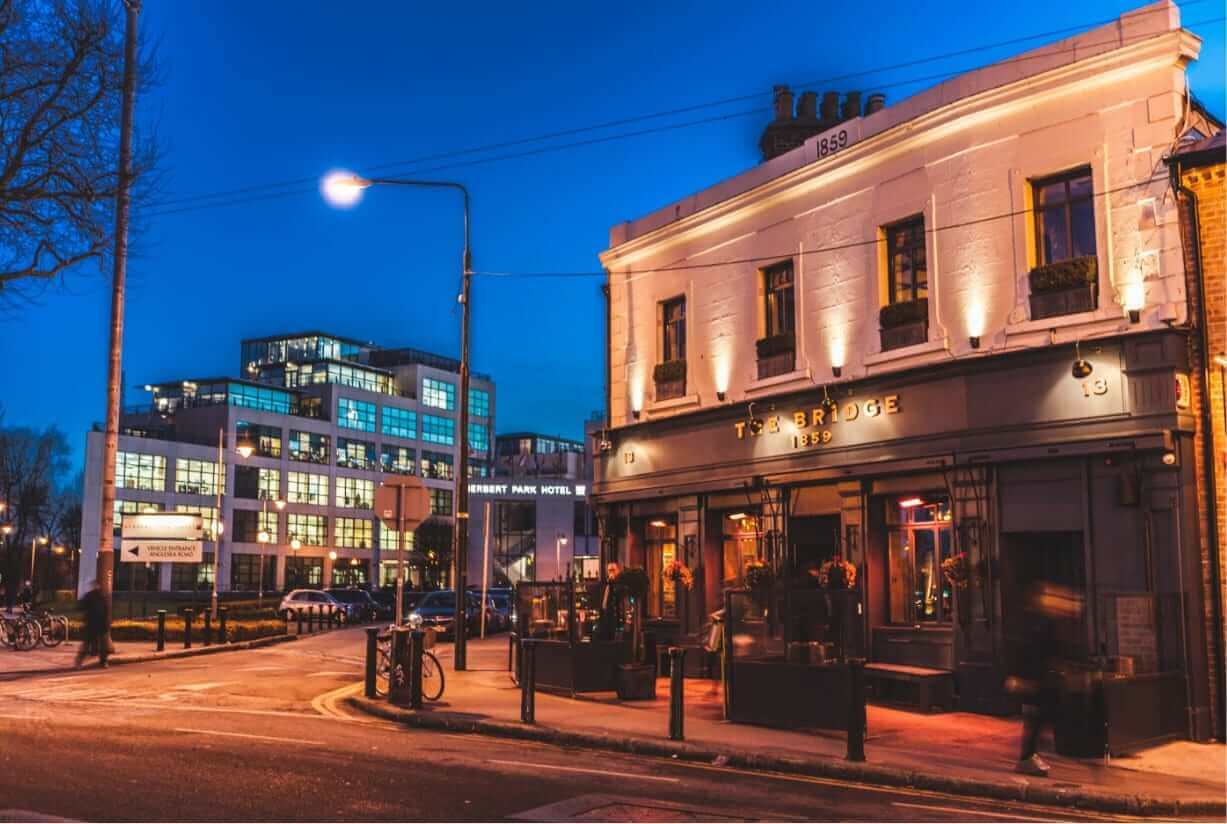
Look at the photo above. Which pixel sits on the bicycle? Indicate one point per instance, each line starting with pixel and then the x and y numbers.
pixel 53 628
pixel 386 676
pixel 20 632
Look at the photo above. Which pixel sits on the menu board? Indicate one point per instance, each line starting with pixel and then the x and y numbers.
pixel 1135 631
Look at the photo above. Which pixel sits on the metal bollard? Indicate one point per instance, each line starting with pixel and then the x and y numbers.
pixel 513 646
pixel 417 644
pixel 677 706
pixel 299 613
pixel 311 618
pixel 221 626
pixel 856 709
pixel 188 614
pixel 208 628
pixel 398 687
pixel 372 656
pixel 528 681
pixel 286 616
pixel 161 630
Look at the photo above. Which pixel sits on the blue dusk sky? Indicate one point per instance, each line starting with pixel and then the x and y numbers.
pixel 269 92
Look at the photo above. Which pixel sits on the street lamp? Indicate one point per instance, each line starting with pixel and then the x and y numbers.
pixel 245 448
pixel 344 190
pixel 559 543
pixel 42 540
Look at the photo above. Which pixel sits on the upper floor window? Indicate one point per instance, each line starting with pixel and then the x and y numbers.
pixel 307 488
pixel 1064 217
pixel 355 454
pixel 479 438
pixel 907 272
pixel 437 465
pixel 265 440
pixel 479 403
pixel 311 447
pixel 355 493
pixel 138 470
pixel 193 477
pixel 397 459
pixel 673 325
pixel 778 299
pixel 439 394
pixel 399 423
pixel 440 501
pixel 438 430
pixel 353 414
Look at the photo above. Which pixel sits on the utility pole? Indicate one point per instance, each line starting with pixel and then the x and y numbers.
pixel 460 538
pixel 123 204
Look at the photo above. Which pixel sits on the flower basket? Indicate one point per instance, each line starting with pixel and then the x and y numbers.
pixel 893 315
pixel 1074 273
pixel 759 576
pixel 957 570
pixel 776 345
pixel 680 573
pixel 669 371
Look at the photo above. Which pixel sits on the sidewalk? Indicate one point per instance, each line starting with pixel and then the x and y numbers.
pixel 958 753
pixel 43 660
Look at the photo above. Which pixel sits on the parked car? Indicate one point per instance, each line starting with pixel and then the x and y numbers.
pixel 361 607
pixel 438 610
pixel 505 604
pixel 306 599
pixel 385 600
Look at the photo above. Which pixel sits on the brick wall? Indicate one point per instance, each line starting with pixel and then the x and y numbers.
pixel 1208 185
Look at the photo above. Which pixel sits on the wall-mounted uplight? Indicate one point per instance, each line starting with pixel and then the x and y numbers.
pixel 720 396
pixel 839 353
pixel 837 371
pixel 974 340
pixel 976 312
pixel 1134 299
pixel 635 413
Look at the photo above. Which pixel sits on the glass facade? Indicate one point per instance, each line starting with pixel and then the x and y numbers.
pixel 137 470
pixel 263 398
pixel 515 541
pixel 399 423
pixel 265 440
pixel 437 465
pixel 299 375
pixel 299 348
pixel 352 414
pixel 479 403
pixel 479 437
pixel 355 533
pixel 440 502
pixel 438 430
pixel 245 572
pixel 438 394
pixel 355 493
pixel 354 454
pixel 193 477
pixel 207 513
pixel 312 530
pixel 390 539
pixel 304 572
pixel 396 459
pixel 307 488
pixel 310 447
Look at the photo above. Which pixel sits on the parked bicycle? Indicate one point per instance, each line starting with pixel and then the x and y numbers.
pixel 387 676
pixel 20 632
pixel 53 629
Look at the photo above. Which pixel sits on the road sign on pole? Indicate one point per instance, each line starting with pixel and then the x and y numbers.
pixel 401 502
pixel 148 550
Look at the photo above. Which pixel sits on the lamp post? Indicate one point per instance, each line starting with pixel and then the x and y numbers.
pixel 344 190
pixel 265 537
pixel 34 543
pixel 559 542
pixel 244 448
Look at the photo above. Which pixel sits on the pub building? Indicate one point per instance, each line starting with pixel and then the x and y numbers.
pixel 953 330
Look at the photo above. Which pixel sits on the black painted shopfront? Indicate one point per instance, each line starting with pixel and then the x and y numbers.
pixel 952 490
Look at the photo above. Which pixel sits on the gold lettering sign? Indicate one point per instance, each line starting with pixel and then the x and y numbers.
pixel 813 425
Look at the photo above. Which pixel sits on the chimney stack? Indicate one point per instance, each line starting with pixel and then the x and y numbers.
pixel 807 107
pixel 830 108
pixel 783 104
pixel 876 103
pixel 852 106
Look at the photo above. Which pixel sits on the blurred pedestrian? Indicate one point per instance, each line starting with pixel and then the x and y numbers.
pixel 1035 653
pixel 94 608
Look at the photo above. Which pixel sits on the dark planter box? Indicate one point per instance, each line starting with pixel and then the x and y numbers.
pixel 1099 714
pixel 1063 302
pixel 774 693
pixel 780 363
pixel 905 334
pixel 668 390
pixel 589 666
pixel 636 682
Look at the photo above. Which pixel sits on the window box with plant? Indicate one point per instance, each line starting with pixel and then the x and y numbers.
pixel 904 324
pixel 670 378
pixel 1064 288
pixel 776 355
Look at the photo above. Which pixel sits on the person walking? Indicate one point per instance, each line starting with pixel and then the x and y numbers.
pixel 94 608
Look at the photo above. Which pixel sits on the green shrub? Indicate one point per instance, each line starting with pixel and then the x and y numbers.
pixel 776 345
pixel 899 314
pixel 1074 273
pixel 669 371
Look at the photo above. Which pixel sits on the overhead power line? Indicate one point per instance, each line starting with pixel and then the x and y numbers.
pixel 304 185
pixel 633 275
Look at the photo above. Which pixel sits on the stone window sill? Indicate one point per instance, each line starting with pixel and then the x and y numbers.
pixel 798 377
pixel 905 352
pixel 1027 327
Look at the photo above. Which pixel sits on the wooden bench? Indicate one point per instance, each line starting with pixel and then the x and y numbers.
pixel 922 688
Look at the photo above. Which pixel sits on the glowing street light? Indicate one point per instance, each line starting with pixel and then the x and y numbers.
pixel 343 189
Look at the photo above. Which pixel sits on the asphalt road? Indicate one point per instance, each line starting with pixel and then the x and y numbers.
pixel 258 735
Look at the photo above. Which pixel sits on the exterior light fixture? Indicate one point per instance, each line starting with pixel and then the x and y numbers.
pixel 974 340
pixel 755 424
pixel 7 529
pixel 1169 458
pixel 1221 360
pixel 1081 368
pixel 1134 300
pixel 263 536
pixel 908 503
pixel 1135 315
pixel 149 387
pixel 295 544
pixel 604 444
pixel 343 189
pixel 657 523
pixel 245 447
pixel 738 516
pixel 828 403
pixel 635 413
pixel 332 555
pixel 720 396
pixel 837 371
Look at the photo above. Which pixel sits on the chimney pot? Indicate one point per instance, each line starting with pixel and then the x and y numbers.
pixel 830 107
pixel 876 103
pixel 807 107
pixel 783 104
pixel 852 105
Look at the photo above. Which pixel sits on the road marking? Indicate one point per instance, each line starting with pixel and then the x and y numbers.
pixel 275 738
pixel 261 668
pixel 973 813
pixel 331 674
pixel 325 704
pixel 664 778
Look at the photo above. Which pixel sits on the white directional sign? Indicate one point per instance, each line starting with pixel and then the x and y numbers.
pixel 148 550
pixel 170 525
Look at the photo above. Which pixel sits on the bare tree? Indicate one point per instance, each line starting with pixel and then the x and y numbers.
pixel 31 466
pixel 61 88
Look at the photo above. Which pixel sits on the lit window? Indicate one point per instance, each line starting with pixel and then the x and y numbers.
pixel 307 488
pixel 399 423
pixel 479 403
pixel 438 430
pixel 438 394
pixel 137 470
pixel 354 533
pixel 353 414
pixel 779 303
pixel 193 477
pixel 479 438
pixel 907 272
pixel 437 465
pixel 312 530
pixel 355 454
pixel 311 447
pixel 397 459
pixel 673 330
pixel 1064 217
pixel 440 502
pixel 355 493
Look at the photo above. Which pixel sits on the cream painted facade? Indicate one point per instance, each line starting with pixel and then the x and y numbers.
pixel 962 154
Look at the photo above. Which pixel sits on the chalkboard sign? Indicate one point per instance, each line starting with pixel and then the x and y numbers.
pixel 1135 631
